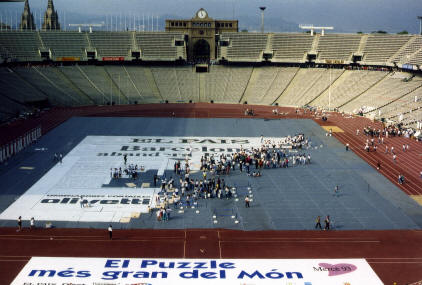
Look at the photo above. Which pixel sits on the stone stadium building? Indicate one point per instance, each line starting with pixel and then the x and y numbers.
pixel 202 34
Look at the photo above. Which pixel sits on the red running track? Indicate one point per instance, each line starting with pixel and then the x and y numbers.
pixel 396 256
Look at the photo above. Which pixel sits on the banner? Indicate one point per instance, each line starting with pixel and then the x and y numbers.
pixel 334 61
pixel 68 58
pixel 126 271
pixel 113 58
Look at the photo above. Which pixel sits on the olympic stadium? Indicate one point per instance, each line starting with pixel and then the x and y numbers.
pixel 209 146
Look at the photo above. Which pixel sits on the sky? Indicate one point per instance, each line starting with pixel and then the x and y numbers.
pixel 348 16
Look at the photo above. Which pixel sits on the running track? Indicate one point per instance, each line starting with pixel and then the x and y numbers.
pixel 396 256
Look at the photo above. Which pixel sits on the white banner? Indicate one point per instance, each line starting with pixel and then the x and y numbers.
pixel 113 271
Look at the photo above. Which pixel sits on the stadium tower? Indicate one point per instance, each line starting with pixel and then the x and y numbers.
pixel 27 19
pixel 51 18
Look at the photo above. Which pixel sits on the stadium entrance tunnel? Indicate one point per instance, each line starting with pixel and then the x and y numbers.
pixel 201 50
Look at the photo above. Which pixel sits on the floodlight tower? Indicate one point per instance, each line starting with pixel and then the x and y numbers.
pixel 262 8
pixel 420 25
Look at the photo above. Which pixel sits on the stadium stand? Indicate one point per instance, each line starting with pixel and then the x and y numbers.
pixel 188 82
pixel 232 87
pixel 379 48
pixel 20 45
pixel 351 84
pixel 238 81
pixel 98 78
pixel 389 89
pixel 178 84
pixel 25 46
pixel 146 88
pixel 280 83
pixel 111 44
pixel 245 46
pixel 410 53
pixel 160 46
pixel 410 119
pixel 259 84
pixel 302 88
pixel 35 78
pixel 19 90
pixel 166 81
pixel 416 58
pixel 338 46
pixel 291 47
pixel 80 80
pixel 323 84
pixel 65 44
pixel 404 105
pixel 124 86
pixel 215 86
pixel 80 85
pixel 60 82
pixel 10 108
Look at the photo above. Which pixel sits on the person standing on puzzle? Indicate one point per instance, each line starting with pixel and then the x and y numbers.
pixel 247 205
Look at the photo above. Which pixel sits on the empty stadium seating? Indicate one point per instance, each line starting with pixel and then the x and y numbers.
pixel 167 83
pixel 338 46
pixel 34 77
pixel 69 45
pixel 379 48
pixel 245 46
pixel 351 84
pixel 111 44
pixel 411 52
pixel 291 47
pixel 379 93
pixel 159 46
pixel 65 44
pixel 216 84
pixel 18 89
pixel 280 83
pixel 20 45
pixel 306 85
pixel 80 81
pixel 259 84
pixel 145 85
pixel 404 105
pixel 388 90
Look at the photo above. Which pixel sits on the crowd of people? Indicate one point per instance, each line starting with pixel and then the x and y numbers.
pixel 184 191
pixel 377 138
pixel 130 170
